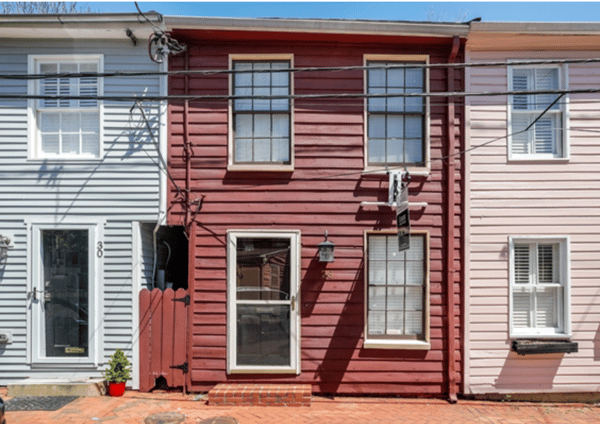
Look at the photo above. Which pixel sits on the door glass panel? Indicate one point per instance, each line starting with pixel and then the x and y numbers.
pixel 263 333
pixel 65 292
pixel 263 293
pixel 263 269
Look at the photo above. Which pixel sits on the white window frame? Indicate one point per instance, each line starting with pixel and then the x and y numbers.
pixel 259 166
pixel 401 59
pixel 381 342
pixel 562 112
pixel 34 149
pixel 95 228
pixel 564 273
pixel 295 248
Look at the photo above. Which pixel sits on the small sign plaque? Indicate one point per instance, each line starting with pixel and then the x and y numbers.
pixel 74 350
pixel 403 219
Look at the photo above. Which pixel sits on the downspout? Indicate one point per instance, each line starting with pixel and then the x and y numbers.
pixel 190 230
pixel 450 181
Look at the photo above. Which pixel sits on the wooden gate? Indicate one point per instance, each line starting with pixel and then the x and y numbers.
pixel 163 328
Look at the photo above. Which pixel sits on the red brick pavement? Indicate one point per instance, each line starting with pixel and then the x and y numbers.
pixel 135 407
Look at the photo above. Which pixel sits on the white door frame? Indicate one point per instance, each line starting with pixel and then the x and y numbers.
pixel 295 247
pixel 35 351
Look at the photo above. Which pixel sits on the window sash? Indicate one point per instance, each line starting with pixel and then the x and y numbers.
pixel 546 138
pixel 396 125
pixel 396 288
pixel 538 288
pixel 68 128
pixel 261 127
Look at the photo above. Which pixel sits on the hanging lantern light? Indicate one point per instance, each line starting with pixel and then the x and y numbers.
pixel 326 250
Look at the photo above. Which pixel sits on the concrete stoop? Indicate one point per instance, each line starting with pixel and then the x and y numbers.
pixel 57 387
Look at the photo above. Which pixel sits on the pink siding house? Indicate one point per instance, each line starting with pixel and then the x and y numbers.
pixel 532 307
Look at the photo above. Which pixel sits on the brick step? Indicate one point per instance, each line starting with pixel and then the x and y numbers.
pixel 260 395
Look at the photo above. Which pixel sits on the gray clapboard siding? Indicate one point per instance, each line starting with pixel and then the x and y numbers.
pixel 122 187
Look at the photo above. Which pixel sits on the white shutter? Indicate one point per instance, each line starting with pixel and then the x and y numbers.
pixel 546 262
pixel 521 81
pixel 543 141
pixel 546 79
pixel 521 308
pixel 520 144
pixel 546 308
pixel 521 264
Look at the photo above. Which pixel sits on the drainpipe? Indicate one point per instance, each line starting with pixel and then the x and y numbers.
pixel 190 230
pixel 450 180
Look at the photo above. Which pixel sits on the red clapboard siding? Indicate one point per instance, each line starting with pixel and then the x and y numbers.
pixel 324 192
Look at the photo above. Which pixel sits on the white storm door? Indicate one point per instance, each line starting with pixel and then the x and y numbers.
pixel 263 317
pixel 62 295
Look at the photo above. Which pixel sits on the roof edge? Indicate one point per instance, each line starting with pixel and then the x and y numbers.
pixel 328 26
pixel 561 28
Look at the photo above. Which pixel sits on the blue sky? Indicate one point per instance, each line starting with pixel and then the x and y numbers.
pixel 557 11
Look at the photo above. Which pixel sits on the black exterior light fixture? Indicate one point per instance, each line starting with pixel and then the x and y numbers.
pixel 326 250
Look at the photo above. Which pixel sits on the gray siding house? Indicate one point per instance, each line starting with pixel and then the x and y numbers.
pixel 82 191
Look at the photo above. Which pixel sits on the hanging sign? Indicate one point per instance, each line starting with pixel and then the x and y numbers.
pixel 403 218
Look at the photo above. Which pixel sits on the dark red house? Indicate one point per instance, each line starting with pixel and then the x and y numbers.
pixel 291 134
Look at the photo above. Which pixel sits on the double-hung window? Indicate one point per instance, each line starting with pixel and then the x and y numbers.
pixel 547 138
pixel 397 292
pixel 66 128
pixel 539 287
pixel 261 121
pixel 396 125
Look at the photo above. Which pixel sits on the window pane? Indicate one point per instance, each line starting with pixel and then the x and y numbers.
pixel 377 104
pixel 90 144
pixel 377 298
pixel 546 264
pixel 261 79
pixel 262 150
pixel 70 122
pixel 521 308
pixel 280 150
pixel 544 136
pixel 243 125
pixel 50 122
pixel 376 126
pixel 377 77
pixel 395 76
pixel 395 299
pixel 70 144
pixel 243 150
pixel 414 78
pixel 546 307
pixel 263 335
pixel 50 143
pixel 90 122
pixel 262 125
pixel 376 323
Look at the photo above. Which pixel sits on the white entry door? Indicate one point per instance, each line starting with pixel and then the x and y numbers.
pixel 62 294
pixel 263 316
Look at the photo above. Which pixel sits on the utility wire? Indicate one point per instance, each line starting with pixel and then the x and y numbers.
pixel 296 96
pixel 404 65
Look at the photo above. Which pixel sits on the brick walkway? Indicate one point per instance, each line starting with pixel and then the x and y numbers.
pixel 135 407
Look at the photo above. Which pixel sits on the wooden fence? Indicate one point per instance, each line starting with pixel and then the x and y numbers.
pixel 163 327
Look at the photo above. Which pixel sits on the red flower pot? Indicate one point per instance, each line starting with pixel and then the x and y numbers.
pixel 116 389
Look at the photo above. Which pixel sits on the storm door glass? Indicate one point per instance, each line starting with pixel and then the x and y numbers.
pixel 65 292
pixel 263 302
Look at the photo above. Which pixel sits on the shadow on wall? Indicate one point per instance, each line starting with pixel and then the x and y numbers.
pixel 530 372
pixel 597 345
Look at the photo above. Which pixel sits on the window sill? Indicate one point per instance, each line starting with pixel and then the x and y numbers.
pixel 260 168
pixel 533 159
pixel 532 346
pixel 262 370
pixel 378 172
pixel 397 344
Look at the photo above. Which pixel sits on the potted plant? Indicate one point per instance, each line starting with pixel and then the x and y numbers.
pixel 118 373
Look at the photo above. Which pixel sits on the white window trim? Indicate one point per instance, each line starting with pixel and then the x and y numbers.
pixel 33 150
pixel 565 273
pixel 415 170
pixel 393 343
pixel 95 227
pixel 295 248
pixel 231 165
pixel 563 81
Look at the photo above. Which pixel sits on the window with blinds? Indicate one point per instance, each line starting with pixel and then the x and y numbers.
pixel 545 139
pixel 397 295
pixel 67 128
pixel 538 287
pixel 261 125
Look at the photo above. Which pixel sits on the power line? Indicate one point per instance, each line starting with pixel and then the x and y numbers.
pixel 205 72
pixel 440 94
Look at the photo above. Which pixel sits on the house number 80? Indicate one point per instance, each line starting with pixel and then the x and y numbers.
pixel 100 251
